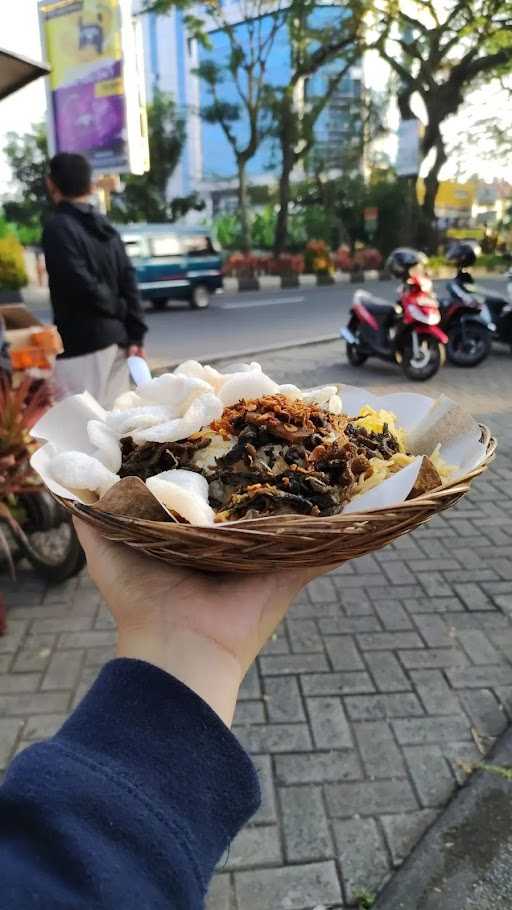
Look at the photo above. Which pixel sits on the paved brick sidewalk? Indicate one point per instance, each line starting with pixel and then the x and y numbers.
pixel 387 674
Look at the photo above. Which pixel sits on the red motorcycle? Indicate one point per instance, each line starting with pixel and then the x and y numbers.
pixel 406 332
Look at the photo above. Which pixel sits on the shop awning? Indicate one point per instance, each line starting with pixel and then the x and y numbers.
pixel 16 71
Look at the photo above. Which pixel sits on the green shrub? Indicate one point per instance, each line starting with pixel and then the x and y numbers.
pixel 12 265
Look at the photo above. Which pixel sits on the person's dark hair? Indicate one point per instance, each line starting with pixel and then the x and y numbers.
pixel 71 174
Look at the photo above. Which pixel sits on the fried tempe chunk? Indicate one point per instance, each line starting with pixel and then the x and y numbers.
pixel 427 479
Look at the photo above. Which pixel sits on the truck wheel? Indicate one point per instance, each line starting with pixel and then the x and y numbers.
pixel 200 298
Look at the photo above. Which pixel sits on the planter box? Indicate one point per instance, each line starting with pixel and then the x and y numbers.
pixel 307 281
pixel 10 297
pixel 270 282
pixel 230 284
pixel 248 284
pixel 323 280
pixel 356 277
pixel 290 281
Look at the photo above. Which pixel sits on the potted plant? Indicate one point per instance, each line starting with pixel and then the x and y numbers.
pixel 12 269
pixel 343 259
pixel 288 267
pixel 319 257
pixel 243 267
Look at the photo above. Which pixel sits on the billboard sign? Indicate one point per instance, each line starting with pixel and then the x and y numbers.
pixel 94 99
pixel 408 156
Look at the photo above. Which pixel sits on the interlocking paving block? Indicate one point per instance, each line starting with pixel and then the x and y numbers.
pixel 305 826
pixel 362 856
pixel 300 887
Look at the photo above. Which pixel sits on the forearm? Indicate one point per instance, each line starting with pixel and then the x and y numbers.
pixel 132 803
pixel 200 663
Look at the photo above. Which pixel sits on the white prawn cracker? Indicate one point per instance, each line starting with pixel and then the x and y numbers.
pixel 78 471
pixel 185 493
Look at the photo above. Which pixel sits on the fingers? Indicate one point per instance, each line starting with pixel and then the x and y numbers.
pixel 90 538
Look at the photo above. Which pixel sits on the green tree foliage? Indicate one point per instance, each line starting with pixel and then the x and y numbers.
pixel 316 46
pixel 245 122
pixel 27 156
pixel 144 197
pixel 439 51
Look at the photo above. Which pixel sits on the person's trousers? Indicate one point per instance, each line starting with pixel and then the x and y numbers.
pixel 103 373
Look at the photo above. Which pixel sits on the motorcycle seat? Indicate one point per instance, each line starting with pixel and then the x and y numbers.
pixel 373 304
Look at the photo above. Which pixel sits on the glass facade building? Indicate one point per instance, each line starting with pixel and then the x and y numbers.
pixel 171 58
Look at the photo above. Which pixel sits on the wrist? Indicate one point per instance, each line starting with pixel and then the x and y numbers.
pixel 199 662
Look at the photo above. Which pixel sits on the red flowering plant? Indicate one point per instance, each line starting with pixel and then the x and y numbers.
pixel 343 260
pixel 367 258
pixel 20 409
pixel 287 264
pixel 244 265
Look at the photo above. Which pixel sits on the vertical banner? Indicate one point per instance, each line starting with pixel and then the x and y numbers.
pixel 408 155
pixel 93 99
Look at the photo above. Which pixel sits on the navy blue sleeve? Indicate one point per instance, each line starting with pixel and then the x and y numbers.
pixel 130 805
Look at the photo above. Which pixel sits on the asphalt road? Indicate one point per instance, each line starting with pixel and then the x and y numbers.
pixel 237 324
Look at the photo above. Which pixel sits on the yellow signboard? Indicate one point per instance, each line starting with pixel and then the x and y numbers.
pixel 452 198
pixel 96 87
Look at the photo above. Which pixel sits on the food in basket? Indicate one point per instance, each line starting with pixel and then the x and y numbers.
pixel 214 447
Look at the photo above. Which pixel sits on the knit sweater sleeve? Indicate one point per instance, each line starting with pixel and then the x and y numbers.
pixel 131 804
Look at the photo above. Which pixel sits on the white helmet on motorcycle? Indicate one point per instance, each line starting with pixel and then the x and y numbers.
pixel 403 259
pixel 463 253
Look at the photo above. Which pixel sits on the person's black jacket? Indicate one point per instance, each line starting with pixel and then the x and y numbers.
pixel 93 287
pixel 130 806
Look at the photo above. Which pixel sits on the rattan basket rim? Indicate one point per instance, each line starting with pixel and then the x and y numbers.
pixel 287 524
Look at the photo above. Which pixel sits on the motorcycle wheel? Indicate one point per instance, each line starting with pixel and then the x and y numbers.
pixel 426 365
pixel 50 543
pixel 355 356
pixel 470 348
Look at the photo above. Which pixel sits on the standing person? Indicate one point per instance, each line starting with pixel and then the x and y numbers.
pixel 93 290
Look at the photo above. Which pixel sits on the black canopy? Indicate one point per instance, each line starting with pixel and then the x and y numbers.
pixel 16 71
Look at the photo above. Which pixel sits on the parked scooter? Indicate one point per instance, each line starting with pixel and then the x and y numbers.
pixel 472 315
pixel 38 526
pixel 406 332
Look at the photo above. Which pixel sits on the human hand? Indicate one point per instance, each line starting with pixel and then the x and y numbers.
pixel 135 350
pixel 204 629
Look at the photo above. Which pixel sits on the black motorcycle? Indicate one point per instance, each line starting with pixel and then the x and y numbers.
pixel 477 315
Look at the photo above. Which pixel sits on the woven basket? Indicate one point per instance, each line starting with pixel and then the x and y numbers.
pixel 285 541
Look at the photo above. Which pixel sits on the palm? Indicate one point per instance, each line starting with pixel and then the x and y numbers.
pixel 237 612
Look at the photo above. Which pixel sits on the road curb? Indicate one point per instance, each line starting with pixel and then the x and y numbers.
pixel 463 862
pixel 158 366
pixel 273 282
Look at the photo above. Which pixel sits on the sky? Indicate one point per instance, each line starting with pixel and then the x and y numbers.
pixel 19 32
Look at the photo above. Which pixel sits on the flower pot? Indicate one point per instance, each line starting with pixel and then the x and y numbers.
pixel 383 275
pixel 324 278
pixel 248 283
pixel 7 296
pixel 290 280
pixel 357 277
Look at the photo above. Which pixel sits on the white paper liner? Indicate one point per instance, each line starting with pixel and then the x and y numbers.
pixel 427 422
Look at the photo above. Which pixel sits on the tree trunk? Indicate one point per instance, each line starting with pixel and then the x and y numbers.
pixel 243 204
pixel 412 213
pixel 287 140
pixel 427 229
pixel 281 234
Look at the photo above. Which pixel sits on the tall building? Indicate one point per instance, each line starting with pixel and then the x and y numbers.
pixel 208 164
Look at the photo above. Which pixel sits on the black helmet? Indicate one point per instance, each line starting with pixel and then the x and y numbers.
pixel 463 253
pixel 403 259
